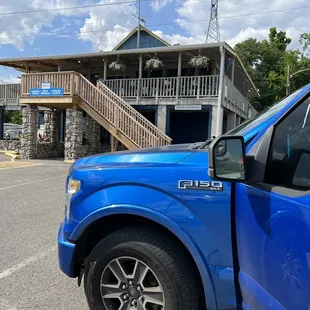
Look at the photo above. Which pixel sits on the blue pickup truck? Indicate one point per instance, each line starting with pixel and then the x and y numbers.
pixel 222 224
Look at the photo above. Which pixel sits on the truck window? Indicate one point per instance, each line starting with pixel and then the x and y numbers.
pixel 289 156
pixel 261 117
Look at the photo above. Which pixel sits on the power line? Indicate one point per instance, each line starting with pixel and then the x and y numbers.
pixel 66 34
pixel 160 24
pixel 71 8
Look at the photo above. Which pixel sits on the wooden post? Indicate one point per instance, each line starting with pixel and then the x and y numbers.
pixel 1 122
pixel 105 69
pixel 140 76
pixel 114 143
pixel 179 75
pixel 89 72
pixel 5 94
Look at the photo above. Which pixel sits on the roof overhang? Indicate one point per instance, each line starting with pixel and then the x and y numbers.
pixel 52 62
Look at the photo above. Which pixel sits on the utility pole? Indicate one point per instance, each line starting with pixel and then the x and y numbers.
pixel 139 23
pixel 289 76
pixel 288 82
pixel 139 19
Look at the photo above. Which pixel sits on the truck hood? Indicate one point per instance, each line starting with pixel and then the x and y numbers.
pixel 164 155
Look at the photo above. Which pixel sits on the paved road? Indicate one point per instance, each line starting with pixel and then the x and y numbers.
pixel 31 206
pixel 4 158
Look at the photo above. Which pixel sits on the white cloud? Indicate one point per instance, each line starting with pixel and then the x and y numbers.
pixel 236 29
pixel 16 29
pixel 259 34
pixel 9 80
pixel 179 39
pixel 107 26
pixel 157 5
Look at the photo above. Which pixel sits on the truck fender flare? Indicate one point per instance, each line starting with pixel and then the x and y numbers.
pixel 166 222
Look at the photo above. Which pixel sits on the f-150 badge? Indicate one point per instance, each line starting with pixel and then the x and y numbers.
pixel 201 185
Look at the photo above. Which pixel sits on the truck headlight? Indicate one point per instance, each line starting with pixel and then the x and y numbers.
pixel 72 188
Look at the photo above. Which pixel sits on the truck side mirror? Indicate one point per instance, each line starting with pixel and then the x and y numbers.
pixel 227 159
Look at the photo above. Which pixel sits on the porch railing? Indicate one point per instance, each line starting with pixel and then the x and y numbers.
pixel 63 80
pixel 166 87
pixel 234 96
pixel 9 93
pixel 123 120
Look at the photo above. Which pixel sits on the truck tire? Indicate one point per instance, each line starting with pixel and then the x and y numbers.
pixel 139 268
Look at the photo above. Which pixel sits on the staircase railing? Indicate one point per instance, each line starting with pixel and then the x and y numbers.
pixel 162 138
pixel 121 115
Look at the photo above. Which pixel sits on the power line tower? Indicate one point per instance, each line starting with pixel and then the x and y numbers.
pixel 213 34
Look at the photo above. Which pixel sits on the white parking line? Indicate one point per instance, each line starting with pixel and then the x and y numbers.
pixel 32 182
pixel 27 262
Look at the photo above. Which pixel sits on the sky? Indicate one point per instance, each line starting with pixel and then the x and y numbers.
pixel 77 26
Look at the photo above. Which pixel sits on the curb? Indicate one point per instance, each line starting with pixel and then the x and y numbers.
pixel 12 155
pixel 66 161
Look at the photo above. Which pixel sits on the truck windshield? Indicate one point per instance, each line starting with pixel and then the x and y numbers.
pixel 261 117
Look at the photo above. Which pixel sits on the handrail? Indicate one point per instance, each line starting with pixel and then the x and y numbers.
pixel 131 111
pixel 114 114
pixel 236 97
pixel 58 79
pixel 111 107
pixel 166 87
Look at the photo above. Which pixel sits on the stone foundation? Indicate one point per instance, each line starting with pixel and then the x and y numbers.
pixel 29 132
pixel 49 150
pixel 51 125
pixel 10 145
pixel 74 134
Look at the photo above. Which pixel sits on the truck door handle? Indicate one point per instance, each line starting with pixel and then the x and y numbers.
pixel 255 192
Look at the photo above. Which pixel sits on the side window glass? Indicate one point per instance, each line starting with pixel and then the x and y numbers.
pixel 289 156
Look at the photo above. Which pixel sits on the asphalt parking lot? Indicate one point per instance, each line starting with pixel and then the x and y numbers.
pixel 31 202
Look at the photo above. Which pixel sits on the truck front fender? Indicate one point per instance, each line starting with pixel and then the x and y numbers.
pixel 159 215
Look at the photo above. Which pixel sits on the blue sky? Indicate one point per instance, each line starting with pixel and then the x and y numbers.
pixel 61 31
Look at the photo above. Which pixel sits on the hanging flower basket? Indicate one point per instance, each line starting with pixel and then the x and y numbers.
pixel 153 63
pixel 117 65
pixel 199 61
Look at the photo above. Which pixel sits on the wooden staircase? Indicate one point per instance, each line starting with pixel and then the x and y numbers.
pixel 118 117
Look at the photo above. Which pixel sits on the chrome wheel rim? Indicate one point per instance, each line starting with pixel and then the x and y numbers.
pixel 129 284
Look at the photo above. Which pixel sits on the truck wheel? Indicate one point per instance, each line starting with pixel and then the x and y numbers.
pixel 137 268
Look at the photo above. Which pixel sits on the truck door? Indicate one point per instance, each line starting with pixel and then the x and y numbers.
pixel 273 218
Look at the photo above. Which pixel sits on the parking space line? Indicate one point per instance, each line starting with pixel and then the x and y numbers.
pixel 27 262
pixel 32 182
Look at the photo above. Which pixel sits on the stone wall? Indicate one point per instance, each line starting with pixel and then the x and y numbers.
pixel 51 121
pixel 10 145
pixel 29 132
pixel 74 134
pixel 49 150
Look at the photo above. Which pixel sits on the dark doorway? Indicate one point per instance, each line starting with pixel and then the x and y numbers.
pixel 189 127
pixel 149 112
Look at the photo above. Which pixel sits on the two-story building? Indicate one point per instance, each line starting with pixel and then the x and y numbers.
pixel 156 94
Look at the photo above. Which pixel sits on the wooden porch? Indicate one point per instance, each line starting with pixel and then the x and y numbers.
pixel 119 118
pixel 166 87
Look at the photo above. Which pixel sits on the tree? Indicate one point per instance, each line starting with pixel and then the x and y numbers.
pixel 266 62
pixel 13 117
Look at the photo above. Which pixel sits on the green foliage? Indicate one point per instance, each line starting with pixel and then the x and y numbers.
pixel 267 62
pixel 13 117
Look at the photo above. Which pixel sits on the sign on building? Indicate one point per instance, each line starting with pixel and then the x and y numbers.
pixel 191 107
pixel 46 90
